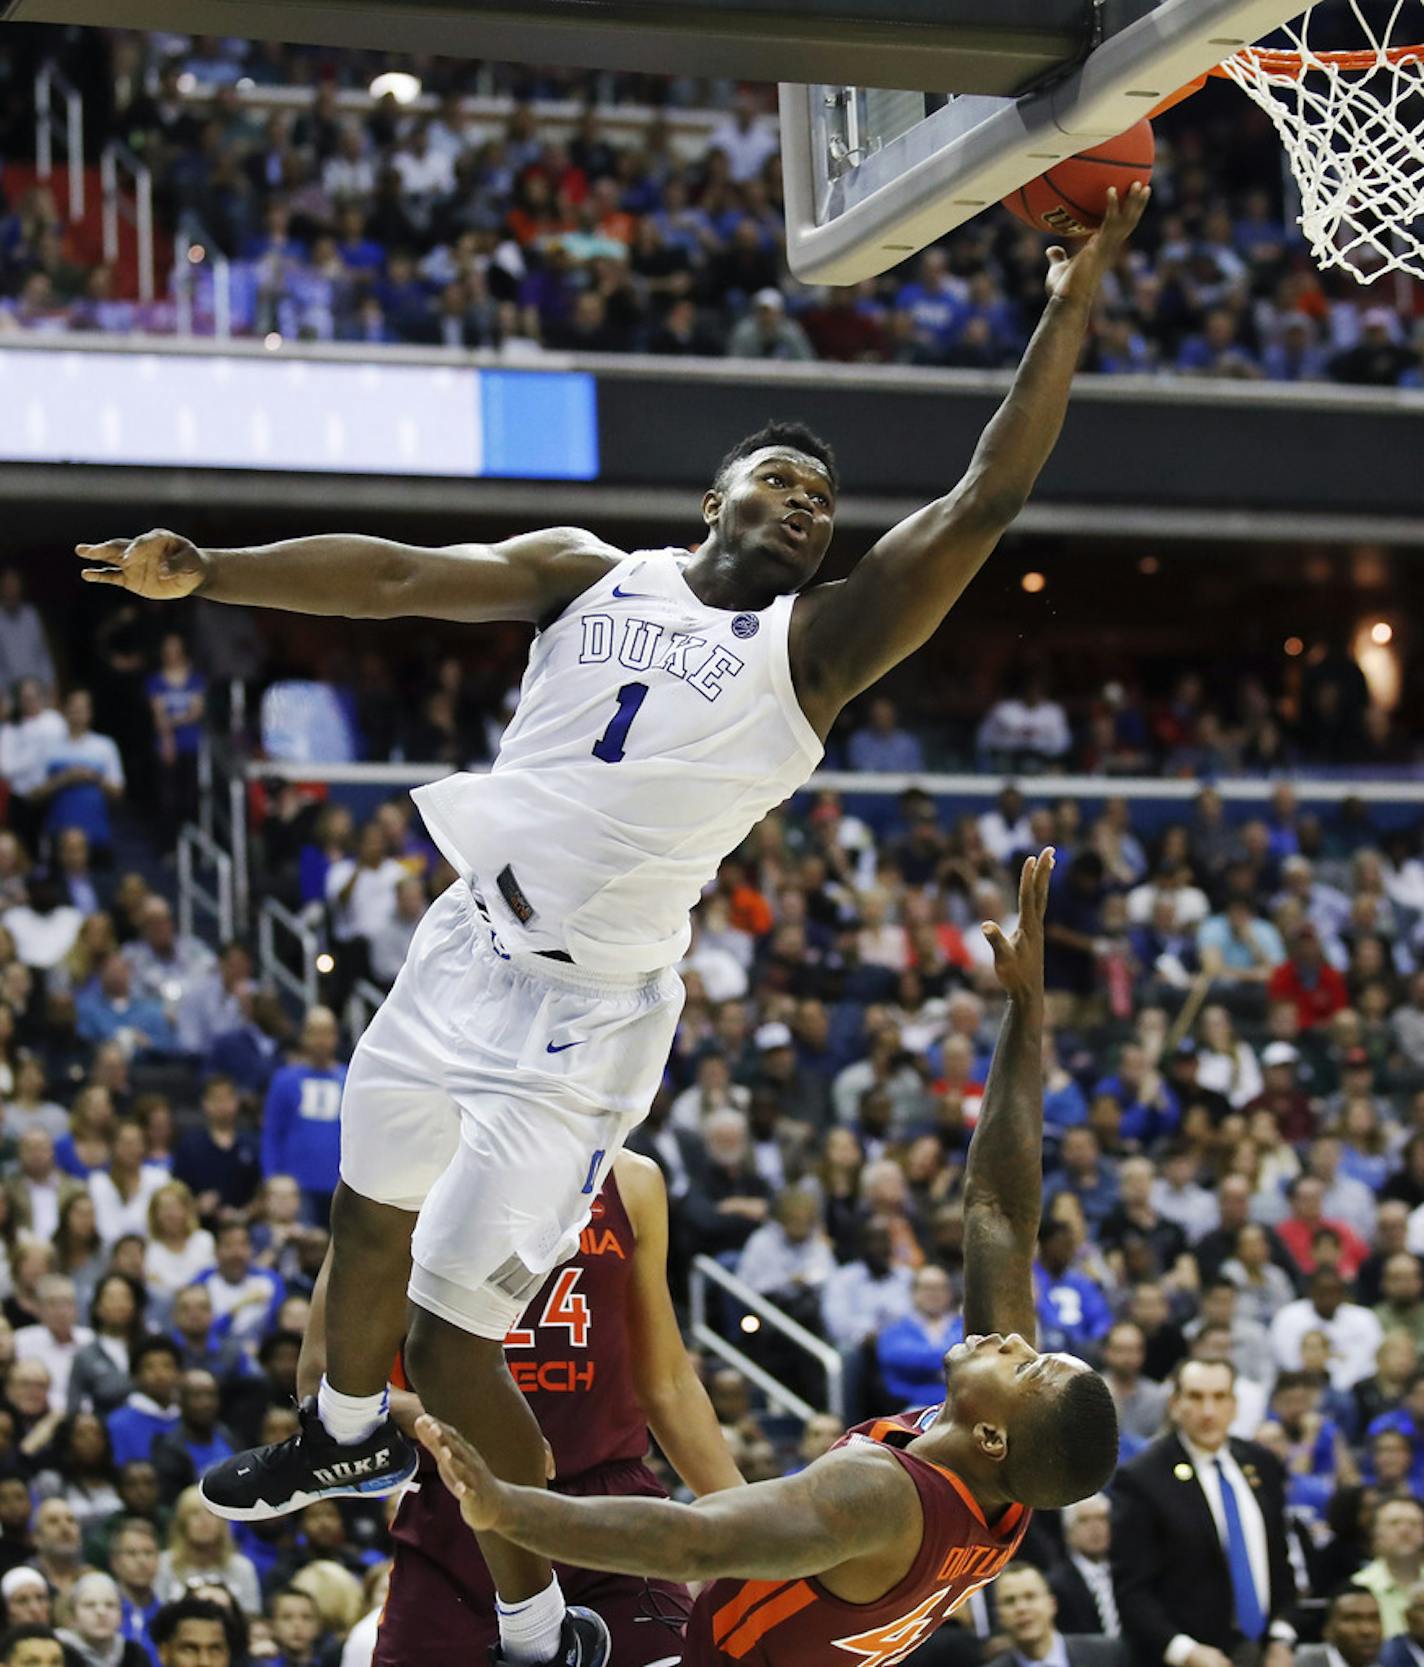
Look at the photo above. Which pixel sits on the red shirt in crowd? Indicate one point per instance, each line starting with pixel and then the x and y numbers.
pixel 1299 1236
pixel 1316 1003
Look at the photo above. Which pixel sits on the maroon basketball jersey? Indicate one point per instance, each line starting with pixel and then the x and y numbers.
pixel 569 1353
pixel 798 1623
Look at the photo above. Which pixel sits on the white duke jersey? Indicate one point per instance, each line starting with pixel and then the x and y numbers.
pixel 652 734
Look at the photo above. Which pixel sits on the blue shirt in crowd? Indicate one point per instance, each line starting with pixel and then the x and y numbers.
pixel 301 1127
pixel 1073 1313
pixel 175 699
pixel 135 1624
pixel 83 804
pixel 134 1426
pixel 912 1361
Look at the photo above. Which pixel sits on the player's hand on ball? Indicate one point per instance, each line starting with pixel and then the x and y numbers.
pixel 1018 960
pixel 160 565
pixel 463 1471
pixel 1078 275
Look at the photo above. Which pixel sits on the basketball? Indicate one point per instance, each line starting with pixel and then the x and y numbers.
pixel 1072 197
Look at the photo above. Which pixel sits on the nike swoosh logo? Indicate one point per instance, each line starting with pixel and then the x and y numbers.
pixel 632 595
pixel 563 1047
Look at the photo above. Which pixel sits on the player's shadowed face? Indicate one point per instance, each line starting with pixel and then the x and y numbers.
pixel 778 509
pixel 990 1377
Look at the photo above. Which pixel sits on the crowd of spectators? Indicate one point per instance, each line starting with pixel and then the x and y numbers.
pixel 422 226
pixel 1234 1107
pixel 1249 718
pixel 63 780
pixel 1235 1170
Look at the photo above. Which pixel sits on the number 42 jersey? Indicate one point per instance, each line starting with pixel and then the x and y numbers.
pixel 652 734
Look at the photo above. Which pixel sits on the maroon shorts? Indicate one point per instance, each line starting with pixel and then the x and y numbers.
pixel 440 1612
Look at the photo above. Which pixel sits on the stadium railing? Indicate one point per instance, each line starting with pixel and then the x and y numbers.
pixel 119 167
pixel 488 112
pixel 706 1272
pixel 1155 800
pixel 198 257
pixel 201 903
pixel 68 129
pixel 361 1006
pixel 302 985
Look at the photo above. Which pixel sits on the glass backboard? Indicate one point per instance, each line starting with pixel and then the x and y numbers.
pixel 872 176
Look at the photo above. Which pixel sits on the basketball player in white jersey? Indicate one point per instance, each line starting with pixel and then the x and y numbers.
pixel 669 703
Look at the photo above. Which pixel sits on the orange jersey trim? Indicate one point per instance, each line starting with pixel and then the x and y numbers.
pixel 1004 1527
pixel 886 1426
pixel 752 1593
pixel 969 1500
pixel 764 1617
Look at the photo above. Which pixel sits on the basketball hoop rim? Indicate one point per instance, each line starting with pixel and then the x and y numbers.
pixel 1292 65
pixel 1274 61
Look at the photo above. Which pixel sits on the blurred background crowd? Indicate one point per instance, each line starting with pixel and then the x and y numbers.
pixel 612 230
pixel 1234 1069
pixel 1234 1105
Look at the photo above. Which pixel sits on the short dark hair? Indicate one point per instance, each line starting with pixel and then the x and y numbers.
pixel 154 1345
pixel 163 1628
pixel 1290 1380
pixel 794 436
pixel 275 1340
pixel 1349 1590
pixel 1065 1447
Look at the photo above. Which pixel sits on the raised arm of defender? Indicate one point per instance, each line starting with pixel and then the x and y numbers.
pixel 347 574
pixel 848 634
pixel 1003 1177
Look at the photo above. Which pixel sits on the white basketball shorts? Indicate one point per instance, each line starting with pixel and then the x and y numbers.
pixel 491 1092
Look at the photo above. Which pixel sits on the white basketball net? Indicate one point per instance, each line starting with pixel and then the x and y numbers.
pixel 1352 124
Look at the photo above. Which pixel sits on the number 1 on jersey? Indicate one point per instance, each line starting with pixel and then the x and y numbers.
pixel 609 745
pixel 592 1176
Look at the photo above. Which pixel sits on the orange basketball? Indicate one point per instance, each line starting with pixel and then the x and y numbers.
pixel 1072 197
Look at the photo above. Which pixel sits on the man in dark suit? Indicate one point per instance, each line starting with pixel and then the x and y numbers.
pixel 1353 1632
pixel 1198 1537
pixel 1083 1582
pixel 1028 1618
pixel 1407 1650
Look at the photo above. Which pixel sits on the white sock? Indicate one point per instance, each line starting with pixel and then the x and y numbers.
pixel 348 1419
pixel 529 1631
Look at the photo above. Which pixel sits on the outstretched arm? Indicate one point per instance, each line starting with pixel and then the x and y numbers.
pixel 669 1391
pixel 1003 1176
pixel 854 1503
pixel 348 574
pixel 846 635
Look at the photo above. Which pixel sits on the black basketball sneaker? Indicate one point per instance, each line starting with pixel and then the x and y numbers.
pixel 267 1482
pixel 583 1642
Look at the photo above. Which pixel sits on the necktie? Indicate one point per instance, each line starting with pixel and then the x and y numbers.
pixel 1250 1617
pixel 1104 1598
